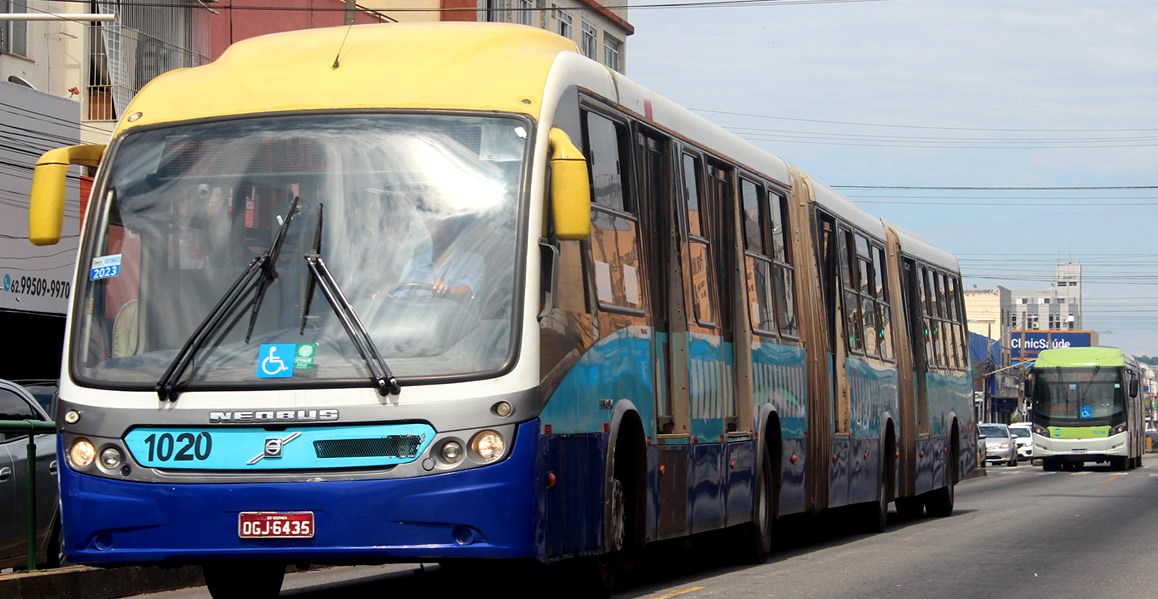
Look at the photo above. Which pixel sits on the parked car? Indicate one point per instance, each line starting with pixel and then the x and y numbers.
pixel 999 444
pixel 16 403
pixel 1023 436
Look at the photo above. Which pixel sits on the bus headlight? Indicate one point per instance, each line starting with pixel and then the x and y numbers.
pixel 451 452
pixel 1040 430
pixel 82 453
pixel 1117 430
pixel 111 458
pixel 487 446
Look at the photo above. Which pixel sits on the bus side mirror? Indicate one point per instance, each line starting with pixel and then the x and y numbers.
pixel 1029 387
pixel 46 207
pixel 1133 386
pixel 570 188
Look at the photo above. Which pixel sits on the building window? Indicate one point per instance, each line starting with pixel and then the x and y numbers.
pixel 612 48
pixel 564 20
pixel 523 14
pixel 589 40
pixel 14 34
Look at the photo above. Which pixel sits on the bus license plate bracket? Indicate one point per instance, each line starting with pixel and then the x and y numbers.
pixel 275 525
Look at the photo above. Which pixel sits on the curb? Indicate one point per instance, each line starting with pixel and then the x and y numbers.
pixel 83 582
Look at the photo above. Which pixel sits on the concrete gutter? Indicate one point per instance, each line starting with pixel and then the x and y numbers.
pixel 83 582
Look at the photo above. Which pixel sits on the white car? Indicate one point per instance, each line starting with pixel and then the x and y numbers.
pixel 1023 431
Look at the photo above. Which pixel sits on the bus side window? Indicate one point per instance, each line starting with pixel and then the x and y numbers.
pixel 782 257
pixel 614 226
pixel 698 246
pixel 758 265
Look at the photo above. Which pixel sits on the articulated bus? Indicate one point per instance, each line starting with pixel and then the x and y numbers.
pixel 491 300
pixel 1086 408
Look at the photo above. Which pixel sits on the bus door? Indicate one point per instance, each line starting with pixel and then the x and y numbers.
pixel 711 399
pixel 899 281
pixel 659 183
pixel 914 302
pixel 825 387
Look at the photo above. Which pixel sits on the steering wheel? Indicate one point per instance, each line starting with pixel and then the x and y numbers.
pixel 414 286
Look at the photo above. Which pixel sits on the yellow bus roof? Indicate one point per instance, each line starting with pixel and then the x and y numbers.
pixel 476 66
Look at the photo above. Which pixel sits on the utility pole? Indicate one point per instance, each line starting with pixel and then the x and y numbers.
pixel 351 6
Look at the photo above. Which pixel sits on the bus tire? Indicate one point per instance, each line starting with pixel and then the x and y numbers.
pixel 939 503
pixel 243 579
pixel 1050 465
pixel 758 533
pixel 910 508
pixel 877 512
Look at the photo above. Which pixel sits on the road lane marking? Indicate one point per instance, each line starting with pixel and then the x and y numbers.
pixel 674 593
pixel 1110 479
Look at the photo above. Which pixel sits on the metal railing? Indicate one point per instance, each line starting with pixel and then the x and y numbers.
pixel 32 428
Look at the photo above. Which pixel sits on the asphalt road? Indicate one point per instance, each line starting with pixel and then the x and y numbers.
pixel 1018 532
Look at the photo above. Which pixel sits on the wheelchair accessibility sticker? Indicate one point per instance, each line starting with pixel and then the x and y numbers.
pixel 276 360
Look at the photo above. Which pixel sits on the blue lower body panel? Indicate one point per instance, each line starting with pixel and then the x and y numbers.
pixel 484 512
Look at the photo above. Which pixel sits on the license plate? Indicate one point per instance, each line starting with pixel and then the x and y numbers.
pixel 275 525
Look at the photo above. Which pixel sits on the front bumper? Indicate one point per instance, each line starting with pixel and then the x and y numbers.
pixel 481 512
pixel 993 454
pixel 1083 449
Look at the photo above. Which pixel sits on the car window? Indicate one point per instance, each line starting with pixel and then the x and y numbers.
pixel 1019 432
pixel 994 431
pixel 15 407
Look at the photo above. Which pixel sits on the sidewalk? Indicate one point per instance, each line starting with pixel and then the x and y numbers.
pixel 83 582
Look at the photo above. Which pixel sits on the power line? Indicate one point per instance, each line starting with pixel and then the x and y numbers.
pixel 995 188
pixel 940 128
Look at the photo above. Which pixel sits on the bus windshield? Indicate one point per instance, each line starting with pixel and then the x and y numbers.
pixel 1078 396
pixel 415 216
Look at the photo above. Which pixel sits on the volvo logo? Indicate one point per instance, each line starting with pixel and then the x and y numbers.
pixel 264 416
pixel 273 448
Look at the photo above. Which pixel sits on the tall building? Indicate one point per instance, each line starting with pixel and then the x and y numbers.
pixel 1056 309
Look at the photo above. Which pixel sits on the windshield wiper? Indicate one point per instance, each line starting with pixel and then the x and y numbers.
pixel 166 387
pixel 269 266
pixel 380 374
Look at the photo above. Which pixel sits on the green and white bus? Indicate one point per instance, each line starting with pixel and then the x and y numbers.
pixel 1086 408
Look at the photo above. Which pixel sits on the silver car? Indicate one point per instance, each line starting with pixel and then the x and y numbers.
pixel 1000 444
pixel 17 404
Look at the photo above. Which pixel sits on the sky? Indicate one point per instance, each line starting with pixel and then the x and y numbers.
pixel 990 94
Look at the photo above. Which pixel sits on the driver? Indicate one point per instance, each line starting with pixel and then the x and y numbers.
pixel 445 268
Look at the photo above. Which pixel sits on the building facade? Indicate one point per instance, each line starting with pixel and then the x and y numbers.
pixel 1057 308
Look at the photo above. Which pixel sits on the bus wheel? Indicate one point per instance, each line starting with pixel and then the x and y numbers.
pixel 939 503
pixel 1050 465
pixel 910 508
pixel 758 534
pixel 877 512
pixel 243 579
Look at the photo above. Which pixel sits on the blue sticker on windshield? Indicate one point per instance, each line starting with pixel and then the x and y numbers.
pixel 276 360
pixel 105 267
pixel 1085 412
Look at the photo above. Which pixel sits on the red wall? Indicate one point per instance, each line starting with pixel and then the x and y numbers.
pixel 236 25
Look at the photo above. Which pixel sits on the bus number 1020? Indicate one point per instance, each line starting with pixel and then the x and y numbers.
pixel 184 447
